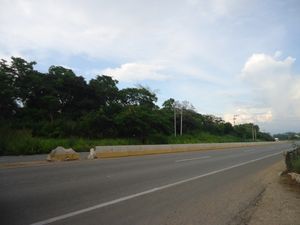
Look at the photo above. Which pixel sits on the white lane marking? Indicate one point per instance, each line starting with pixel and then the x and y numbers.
pixel 184 160
pixel 101 205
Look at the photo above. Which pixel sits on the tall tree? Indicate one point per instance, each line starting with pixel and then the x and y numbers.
pixel 138 96
pixel 8 105
pixel 24 77
pixel 70 92
pixel 169 104
pixel 105 90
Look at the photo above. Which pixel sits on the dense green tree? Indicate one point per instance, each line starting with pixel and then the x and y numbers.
pixel 245 131
pixel 265 136
pixel 228 128
pixel 61 104
pixel 71 91
pixel 24 77
pixel 169 104
pixel 8 104
pixel 105 91
pixel 287 136
pixel 137 121
pixel 138 96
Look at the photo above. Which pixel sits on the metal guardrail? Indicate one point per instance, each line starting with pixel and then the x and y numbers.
pixel 291 156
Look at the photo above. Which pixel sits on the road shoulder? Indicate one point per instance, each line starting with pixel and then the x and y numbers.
pixel 279 204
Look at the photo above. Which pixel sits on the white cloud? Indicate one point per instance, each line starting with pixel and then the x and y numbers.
pixel 136 72
pixel 262 67
pixel 275 91
pixel 135 30
pixel 197 43
pixel 250 115
pixel 190 34
pixel 277 54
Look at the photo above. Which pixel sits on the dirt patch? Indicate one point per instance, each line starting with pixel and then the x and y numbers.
pixel 280 203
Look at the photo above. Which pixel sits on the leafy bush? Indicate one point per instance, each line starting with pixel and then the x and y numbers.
pixel 296 165
pixel 39 111
pixel 21 142
pixel 18 142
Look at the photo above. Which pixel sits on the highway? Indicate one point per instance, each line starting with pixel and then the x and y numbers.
pixel 205 187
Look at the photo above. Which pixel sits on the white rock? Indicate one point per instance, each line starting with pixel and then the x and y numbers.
pixel 92 154
pixel 60 153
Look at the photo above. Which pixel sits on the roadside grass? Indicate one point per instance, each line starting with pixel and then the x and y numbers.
pixel 21 142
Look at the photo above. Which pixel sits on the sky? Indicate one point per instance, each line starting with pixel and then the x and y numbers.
pixel 226 57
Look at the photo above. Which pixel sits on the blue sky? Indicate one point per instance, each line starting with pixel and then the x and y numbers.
pixel 226 57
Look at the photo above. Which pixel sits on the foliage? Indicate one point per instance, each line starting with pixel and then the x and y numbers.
pixel 296 165
pixel 18 142
pixel 287 136
pixel 39 111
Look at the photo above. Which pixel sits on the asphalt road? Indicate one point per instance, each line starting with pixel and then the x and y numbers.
pixel 207 187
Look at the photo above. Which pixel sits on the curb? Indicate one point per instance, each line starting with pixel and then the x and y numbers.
pixel 140 150
pixel 23 164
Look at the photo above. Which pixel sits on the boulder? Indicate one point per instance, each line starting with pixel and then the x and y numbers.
pixel 62 154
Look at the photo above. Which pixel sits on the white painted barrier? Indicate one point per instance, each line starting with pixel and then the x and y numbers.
pixel 134 150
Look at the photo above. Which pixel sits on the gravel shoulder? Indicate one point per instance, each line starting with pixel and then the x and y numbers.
pixel 279 204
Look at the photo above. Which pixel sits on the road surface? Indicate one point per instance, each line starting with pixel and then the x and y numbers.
pixel 207 187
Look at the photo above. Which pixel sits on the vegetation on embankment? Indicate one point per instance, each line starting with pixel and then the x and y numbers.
pixel 296 165
pixel 39 111
pixel 292 159
pixel 21 142
pixel 287 136
pixel 295 161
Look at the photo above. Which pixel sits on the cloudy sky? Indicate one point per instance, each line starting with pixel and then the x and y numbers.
pixel 226 57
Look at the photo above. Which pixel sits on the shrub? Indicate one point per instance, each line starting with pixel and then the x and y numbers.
pixel 21 142
pixel 296 165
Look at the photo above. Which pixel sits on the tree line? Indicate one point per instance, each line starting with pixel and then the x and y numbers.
pixel 60 103
pixel 287 136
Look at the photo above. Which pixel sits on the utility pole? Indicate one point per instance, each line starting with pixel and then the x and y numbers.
pixel 234 119
pixel 252 133
pixel 174 120
pixel 181 121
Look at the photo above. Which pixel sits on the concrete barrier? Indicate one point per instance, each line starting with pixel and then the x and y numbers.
pixel 136 150
pixel 62 154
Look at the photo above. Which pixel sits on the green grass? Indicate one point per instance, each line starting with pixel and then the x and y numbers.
pixel 34 145
pixel 21 142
